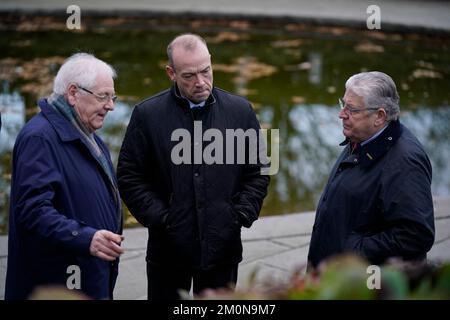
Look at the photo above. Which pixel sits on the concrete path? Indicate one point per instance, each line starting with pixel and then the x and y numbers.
pixel 423 14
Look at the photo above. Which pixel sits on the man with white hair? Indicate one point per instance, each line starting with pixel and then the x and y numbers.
pixel 377 202
pixel 65 214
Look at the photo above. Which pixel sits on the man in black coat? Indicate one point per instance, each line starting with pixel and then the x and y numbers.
pixel 377 202
pixel 184 179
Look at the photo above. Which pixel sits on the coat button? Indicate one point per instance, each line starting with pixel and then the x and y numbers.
pixel 74 233
pixel 389 138
pixel 196 174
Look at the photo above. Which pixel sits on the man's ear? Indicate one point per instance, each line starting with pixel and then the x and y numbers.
pixel 170 72
pixel 71 91
pixel 381 117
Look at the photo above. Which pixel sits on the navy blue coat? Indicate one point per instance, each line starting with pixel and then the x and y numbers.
pixel 377 202
pixel 60 197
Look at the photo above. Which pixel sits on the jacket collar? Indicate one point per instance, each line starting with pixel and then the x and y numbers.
pixel 65 130
pixel 376 148
pixel 185 103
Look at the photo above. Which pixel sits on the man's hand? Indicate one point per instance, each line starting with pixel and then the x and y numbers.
pixel 106 245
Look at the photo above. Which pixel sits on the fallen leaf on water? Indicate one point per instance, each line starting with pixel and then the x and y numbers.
pixel 246 91
pixel 368 47
pixel 295 27
pixel 331 89
pixel 227 68
pixel 287 43
pixel 146 80
pixel 298 100
pixel 428 74
pixel 376 35
pixel 227 36
pixel 424 64
pixel 247 68
pixel 240 24
pixel 304 66
pixel 337 31
pixel 112 22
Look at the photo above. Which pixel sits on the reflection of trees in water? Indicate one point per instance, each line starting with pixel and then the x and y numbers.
pixel 114 128
pixel 309 145
pixel 12 109
pixel 310 137
pixel 315 142
pixel 432 128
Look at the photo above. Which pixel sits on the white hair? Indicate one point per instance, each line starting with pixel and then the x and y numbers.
pixel 378 91
pixel 81 69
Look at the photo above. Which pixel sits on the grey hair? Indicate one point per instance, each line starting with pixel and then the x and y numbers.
pixel 188 41
pixel 81 69
pixel 378 91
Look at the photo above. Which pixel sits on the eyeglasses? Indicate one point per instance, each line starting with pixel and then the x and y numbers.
pixel 101 98
pixel 350 110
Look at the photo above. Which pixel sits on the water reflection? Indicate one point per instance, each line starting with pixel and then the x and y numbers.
pixel 114 128
pixel 432 128
pixel 12 109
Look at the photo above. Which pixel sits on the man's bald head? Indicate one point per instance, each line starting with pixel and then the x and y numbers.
pixel 188 42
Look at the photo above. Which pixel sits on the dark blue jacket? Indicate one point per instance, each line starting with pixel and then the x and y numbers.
pixel 377 202
pixel 60 197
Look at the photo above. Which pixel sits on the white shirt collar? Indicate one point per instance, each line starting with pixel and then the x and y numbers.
pixel 196 105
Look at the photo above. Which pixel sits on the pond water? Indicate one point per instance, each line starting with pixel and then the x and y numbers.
pixel 292 73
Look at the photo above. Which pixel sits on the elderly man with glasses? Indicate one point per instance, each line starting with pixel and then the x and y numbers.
pixel 65 214
pixel 377 202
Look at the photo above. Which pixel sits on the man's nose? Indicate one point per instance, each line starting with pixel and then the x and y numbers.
pixel 199 81
pixel 110 105
pixel 343 114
